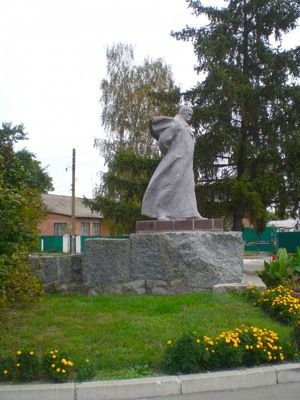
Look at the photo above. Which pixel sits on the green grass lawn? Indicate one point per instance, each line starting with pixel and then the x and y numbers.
pixel 124 334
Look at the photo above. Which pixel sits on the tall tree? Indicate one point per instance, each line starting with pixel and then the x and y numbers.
pixel 20 211
pixel 36 177
pixel 130 95
pixel 247 109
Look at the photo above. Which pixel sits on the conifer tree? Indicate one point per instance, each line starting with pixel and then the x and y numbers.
pixel 246 109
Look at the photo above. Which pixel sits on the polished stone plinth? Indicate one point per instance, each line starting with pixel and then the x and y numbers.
pixel 179 225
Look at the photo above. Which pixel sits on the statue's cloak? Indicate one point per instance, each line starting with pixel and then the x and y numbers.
pixel 171 190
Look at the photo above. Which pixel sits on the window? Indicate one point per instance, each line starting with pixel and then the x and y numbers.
pixel 85 229
pixel 60 228
pixel 96 229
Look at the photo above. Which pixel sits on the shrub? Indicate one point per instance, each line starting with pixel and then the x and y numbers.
pixel 188 354
pixel 85 371
pixel 251 293
pixel 57 366
pixel 27 366
pixel 280 304
pixel 245 346
pixel 18 285
pixel 278 271
pixel 7 368
pixel 296 335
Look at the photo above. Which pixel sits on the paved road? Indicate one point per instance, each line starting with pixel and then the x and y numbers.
pixel 284 391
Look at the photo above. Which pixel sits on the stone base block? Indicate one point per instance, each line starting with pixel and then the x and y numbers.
pixel 163 263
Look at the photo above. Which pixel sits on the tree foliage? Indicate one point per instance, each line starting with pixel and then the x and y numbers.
pixel 130 95
pixel 20 211
pixel 36 176
pixel 247 109
pixel 122 189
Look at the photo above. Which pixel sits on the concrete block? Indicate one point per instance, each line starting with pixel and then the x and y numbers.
pixel 247 280
pixel 228 380
pixel 128 389
pixel 288 372
pixel 62 391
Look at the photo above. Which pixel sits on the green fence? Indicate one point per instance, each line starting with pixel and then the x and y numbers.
pixel 270 240
pixel 288 240
pixel 264 241
pixel 54 244
pixel 51 244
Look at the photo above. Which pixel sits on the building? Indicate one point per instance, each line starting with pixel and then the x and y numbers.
pixel 59 216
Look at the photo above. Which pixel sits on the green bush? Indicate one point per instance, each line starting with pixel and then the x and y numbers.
pixel 244 346
pixel 7 368
pixel 280 304
pixel 278 271
pixel 18 285
pixel 85 371
pixel 251 293
pixel 186 355
pixel 57 366
pixel 27 366
pixel 284 270
pixel 296 336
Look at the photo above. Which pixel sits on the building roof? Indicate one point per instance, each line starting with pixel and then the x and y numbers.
pixel 58 204
pixel 287 224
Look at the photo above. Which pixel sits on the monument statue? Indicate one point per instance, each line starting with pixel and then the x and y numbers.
pixel 171 190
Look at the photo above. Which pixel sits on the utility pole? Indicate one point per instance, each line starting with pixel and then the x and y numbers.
pixel 73 229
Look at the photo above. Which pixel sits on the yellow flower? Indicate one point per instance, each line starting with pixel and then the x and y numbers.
pixel 5 372
pixel 71 364
pixel 19 352
pixel 53 365
pixel 197 340
pixel 31 353
pixel 64 361
pixel 54 356
pixel 17 365
pixel 57 369
pixel 169 342
pixel 63 371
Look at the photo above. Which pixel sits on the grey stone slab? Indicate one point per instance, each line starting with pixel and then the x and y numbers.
pixel 105 262
pixel 187 261
pixel 228 380
pixel 62 391
pixel 128 389
pixel 247 280
pixel 288 373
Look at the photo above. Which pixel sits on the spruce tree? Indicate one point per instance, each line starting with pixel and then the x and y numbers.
pixel 247 108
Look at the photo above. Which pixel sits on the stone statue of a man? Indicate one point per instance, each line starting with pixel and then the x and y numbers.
pixel 171 190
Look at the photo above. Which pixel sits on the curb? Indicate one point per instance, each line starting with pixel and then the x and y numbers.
pixel 156 386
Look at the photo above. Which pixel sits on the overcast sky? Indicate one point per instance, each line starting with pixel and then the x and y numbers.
pixel 52 59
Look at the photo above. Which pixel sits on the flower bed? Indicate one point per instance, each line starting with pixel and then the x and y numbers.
pixel 243 346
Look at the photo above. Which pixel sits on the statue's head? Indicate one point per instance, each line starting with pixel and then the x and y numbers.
pixel 186 113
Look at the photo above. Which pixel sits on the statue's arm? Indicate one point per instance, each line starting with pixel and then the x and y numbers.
pixel 162 129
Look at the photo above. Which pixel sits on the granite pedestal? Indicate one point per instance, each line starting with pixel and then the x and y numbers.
pixel 164 261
